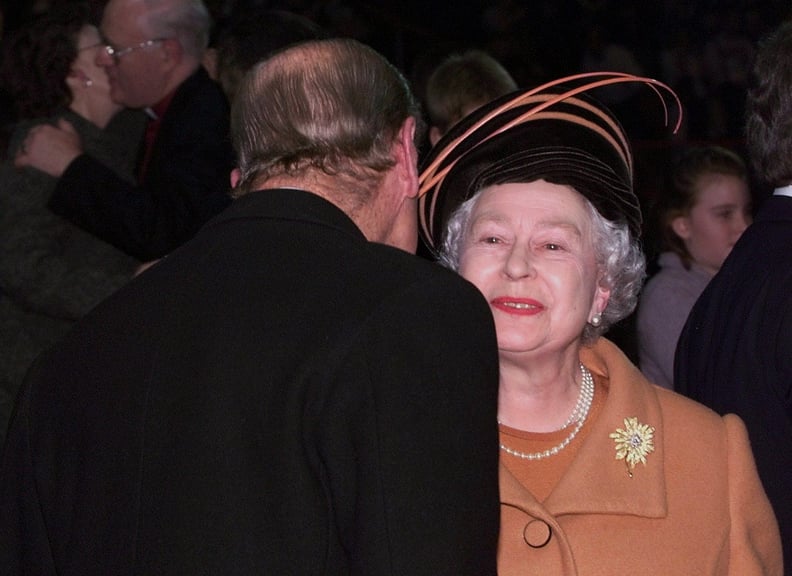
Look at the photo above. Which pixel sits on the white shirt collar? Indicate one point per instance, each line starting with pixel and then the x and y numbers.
pixel 783 191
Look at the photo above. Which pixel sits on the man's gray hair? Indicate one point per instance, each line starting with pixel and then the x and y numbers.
pixel 188 21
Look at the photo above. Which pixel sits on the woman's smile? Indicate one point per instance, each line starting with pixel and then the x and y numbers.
pixel 517 306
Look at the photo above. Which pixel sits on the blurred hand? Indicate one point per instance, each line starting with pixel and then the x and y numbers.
pixel 49 148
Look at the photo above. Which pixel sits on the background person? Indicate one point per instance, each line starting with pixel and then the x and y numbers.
pixel 153 59
pixel 251 34
pixel 287 393
pixel 51 272
pixel 705 208
pixel 532 196
pixel 460 84
pixel 734 352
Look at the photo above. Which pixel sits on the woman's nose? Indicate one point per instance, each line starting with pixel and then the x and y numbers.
pixel 519 262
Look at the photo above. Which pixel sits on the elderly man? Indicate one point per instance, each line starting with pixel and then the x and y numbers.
pixel 152 55
pixel 286 393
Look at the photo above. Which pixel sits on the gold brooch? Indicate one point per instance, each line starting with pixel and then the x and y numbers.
pixel 633 443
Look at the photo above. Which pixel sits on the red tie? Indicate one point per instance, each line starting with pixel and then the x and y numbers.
pixel 148 144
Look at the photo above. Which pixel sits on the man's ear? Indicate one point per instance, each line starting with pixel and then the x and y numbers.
pixel 406 156
pixel 173 49
pixel 236 176
pixel 434 135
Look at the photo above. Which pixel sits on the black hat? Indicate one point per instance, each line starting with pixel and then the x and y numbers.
pixel 554 132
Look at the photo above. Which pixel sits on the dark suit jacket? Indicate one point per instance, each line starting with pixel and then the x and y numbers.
pixel 735 352
pixel 186 183
pixel 278 396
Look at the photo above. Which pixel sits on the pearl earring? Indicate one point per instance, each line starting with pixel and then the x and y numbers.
pixel 596 320
pixel 87 82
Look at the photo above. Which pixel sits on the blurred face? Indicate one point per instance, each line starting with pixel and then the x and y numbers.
pixel 84 68
pixel 717 220
pixel 529 250
pixel 138 72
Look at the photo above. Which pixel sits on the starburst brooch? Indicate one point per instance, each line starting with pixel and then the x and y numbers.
pixel 633 443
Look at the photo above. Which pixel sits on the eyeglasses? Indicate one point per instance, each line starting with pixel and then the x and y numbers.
pixel 117 53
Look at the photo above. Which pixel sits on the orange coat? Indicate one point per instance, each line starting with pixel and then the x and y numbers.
pixel 696 508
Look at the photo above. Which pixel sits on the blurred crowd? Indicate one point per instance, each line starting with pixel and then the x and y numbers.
pixel 703 49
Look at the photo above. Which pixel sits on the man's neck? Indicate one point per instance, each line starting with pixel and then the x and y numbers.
pixel 346 193
pixel 174 82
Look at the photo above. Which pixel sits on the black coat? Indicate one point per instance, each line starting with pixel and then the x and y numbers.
pixel 735 352
pixel 186 183
pixel 278 396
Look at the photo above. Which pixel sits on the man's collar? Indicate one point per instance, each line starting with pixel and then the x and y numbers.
pixel 157 111
pixel 783 191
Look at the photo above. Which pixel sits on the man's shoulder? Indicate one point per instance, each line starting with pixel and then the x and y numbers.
pixel 199 87
pixel 198 101
pixel 425 285
pixel 761 255
pixel 410 267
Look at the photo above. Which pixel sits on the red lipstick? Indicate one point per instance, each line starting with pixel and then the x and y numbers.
pixel 518 306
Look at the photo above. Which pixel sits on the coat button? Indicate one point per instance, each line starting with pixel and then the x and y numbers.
pixel 537 533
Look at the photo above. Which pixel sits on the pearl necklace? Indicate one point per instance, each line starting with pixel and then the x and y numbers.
pixel 578 415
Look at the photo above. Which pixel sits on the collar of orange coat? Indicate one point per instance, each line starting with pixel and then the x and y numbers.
pixel 595 481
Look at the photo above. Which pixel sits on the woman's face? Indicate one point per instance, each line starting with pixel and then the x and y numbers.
pixel 84 69
pixel 529 250
pixel 717 220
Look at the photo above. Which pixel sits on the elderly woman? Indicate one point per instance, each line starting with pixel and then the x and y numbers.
pixel 530 198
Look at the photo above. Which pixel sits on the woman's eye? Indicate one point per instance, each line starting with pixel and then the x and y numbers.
pixel 491 240
pixel 552 247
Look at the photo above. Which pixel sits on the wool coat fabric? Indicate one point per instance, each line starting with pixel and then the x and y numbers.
pixel 52 272
pixel 735 352
pixel 696 507
pixel 186 182
pixel 278 396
